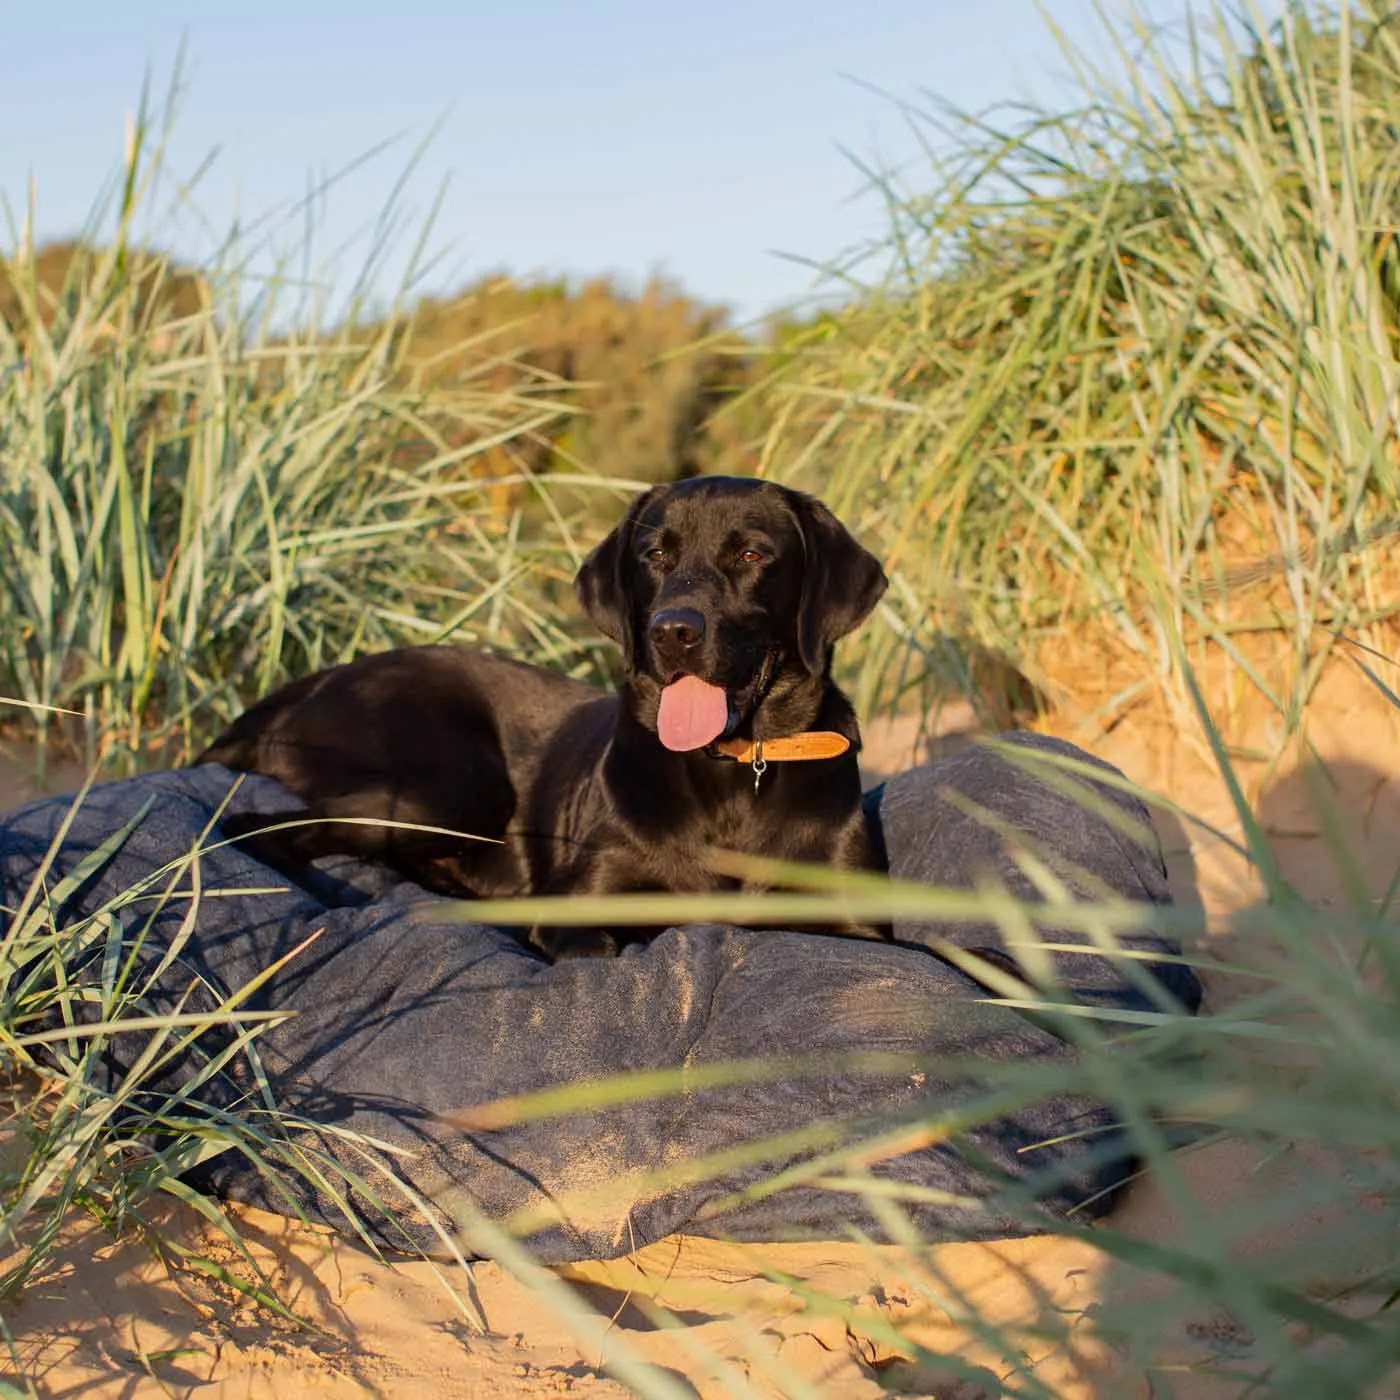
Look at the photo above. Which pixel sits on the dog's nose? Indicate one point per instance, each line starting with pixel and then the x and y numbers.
pixel 679 627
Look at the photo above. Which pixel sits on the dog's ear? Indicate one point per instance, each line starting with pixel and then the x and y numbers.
pixel 601 582
pixel 841 583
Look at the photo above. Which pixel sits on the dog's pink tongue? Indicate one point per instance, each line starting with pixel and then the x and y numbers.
pixel 693 713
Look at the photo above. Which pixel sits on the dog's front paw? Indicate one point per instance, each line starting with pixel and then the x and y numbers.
pixel 557 944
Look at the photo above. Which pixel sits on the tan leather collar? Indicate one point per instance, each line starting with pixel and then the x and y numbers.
pixel 816 743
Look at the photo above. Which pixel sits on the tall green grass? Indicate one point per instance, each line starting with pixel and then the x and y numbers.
pixel 1134 352
pixel 83 1138
pixel 199 495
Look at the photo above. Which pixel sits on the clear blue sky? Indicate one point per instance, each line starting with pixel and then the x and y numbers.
pixel 617 136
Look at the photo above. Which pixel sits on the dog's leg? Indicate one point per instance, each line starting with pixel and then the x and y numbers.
pixel 439 860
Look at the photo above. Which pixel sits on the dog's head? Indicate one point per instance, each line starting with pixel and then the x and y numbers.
pixel 717 589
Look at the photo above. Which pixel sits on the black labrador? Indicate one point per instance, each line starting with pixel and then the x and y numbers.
pixel 726 596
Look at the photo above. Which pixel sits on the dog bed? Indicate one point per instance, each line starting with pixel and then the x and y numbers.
pixel 406 1015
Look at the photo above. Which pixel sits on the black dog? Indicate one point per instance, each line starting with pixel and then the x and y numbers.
pixel 726 596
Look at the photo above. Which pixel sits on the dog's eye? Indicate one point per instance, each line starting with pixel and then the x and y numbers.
pixel 750 556
pixel 655 556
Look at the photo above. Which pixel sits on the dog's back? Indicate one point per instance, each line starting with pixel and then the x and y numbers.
pixel 440 736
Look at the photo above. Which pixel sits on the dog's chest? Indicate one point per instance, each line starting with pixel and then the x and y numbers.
pixel 676 849
pixel 634 826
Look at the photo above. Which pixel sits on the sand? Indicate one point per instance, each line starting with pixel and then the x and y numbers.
pixel 112 1319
